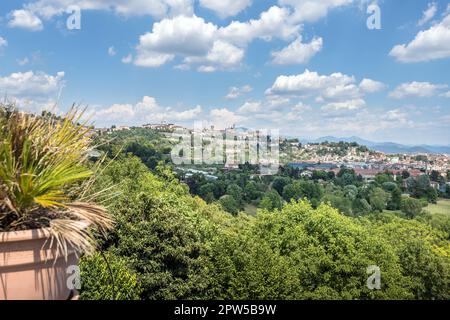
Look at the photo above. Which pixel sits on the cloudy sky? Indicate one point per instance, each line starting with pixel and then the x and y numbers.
pixel 309 68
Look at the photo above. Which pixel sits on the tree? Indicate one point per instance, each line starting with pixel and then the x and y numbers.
pixel 206 191
pixel 435 176
pixel 421 256
pixel 236 192
pixel 351 192
pixel 195 182
pixel 405 174
pixel 229 204
pixel 319 175
pixel 361 206
pixel 395 199
pixel 279 183
pixel 382 178
pixel 432 195
pixel 340 202
pixel 378 199
pixel 271 201
pixel 303 189
pixel 346 177
pixel 251 191
pixel 389 186
pixel 292 191
pixel 411 207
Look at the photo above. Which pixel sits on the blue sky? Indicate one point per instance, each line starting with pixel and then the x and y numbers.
pixel 309 68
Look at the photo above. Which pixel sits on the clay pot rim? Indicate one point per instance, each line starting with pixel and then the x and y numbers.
pixel 30 234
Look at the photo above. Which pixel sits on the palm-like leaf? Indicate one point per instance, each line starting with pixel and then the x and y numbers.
pixel 39 159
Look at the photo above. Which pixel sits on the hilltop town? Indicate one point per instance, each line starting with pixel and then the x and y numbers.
pixel 327 156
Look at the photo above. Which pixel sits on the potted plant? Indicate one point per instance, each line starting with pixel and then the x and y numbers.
pixel 44 223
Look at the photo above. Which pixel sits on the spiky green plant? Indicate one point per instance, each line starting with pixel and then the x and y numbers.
pixel 40 159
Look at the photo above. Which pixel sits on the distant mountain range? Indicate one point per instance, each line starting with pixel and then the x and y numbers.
pixel 386 147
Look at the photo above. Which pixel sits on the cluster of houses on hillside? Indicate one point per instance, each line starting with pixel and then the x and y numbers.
pixel 310 157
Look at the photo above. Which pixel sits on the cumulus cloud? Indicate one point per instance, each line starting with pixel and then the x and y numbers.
pixel 155 8
pixel 416 89
pixel 297 52
pixel 335 91
pixel 223 118
pixel 32 91
pixel 430 44
pixel 147 110
pixel 250 107
pixel 370 86
pixel 25 19
pixel 186 36
pixel 226 8
pixel 312 10
pixel 308 83
pixel 428 14
pixel 3 42
pixel 192 38
pixel 25 84
pixel 274 23
pixel 236 92
pixel 222 56
pixel 351 104
pixel 210 47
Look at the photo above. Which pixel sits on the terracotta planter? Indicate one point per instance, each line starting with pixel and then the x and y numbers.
pixel 28 269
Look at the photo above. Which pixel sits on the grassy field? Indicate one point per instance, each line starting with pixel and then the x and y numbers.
pixel 443 206
pixel 250 209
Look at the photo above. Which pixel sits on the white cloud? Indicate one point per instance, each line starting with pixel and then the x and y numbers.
pixel 335 91
pixel 155 8
pixel 428 14
pixel 300 107
pixel 223 118
pixel 416 89
pixel 273 23
pixel 312 10
pixel 236 92
pixel 222 56
pixel 209 47
pixel 446 94
pixel 395 115
pixel 26 84
pixel 180 35
pixel 111 51
pixel 32 91
pixel 187 36
pixel 250 107
pixel 191 38
pixel 297 52
pixel 147 110
pixel 127 59
pixel 369 85
pixel 3 42
pixel 430 44
pixel 25 19
pixel 309 83
pixel 226 8
pixel 352 104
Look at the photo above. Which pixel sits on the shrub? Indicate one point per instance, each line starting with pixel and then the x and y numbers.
pixel 108 280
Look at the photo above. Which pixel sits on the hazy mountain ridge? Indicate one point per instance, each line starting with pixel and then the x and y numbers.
pixel 386 147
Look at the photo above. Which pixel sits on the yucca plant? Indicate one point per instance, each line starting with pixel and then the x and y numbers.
pixel 41 158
